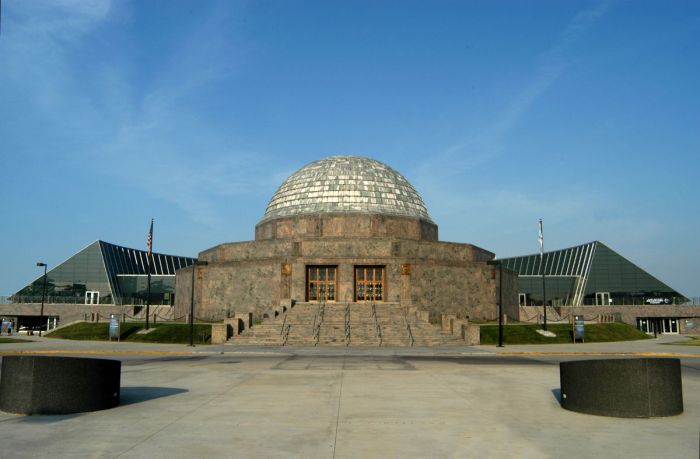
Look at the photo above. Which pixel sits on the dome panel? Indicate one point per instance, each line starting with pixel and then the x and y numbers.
pixel 346 184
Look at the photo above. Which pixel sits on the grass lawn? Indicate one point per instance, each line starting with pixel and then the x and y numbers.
pixel 176 333
pixel 12 340
pixel 594 333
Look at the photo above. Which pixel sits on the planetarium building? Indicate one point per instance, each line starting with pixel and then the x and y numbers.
pixel 350 230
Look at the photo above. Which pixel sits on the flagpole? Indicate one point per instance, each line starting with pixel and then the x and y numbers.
pixel 148 263
pixel 544 294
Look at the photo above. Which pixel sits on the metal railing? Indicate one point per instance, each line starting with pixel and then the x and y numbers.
pixel 411 340
pixel 377 327
pixel 318 320
pixel 347 324
pixel 284 323
pixel 622 301
pixel 80 300
pixel 285 335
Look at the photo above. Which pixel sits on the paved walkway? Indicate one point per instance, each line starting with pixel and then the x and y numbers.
pixel 663 345
pixel 227 401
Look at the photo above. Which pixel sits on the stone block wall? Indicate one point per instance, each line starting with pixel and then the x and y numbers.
pixel 689 325
pixel 256 276
pixel 346 225
pixel 467 290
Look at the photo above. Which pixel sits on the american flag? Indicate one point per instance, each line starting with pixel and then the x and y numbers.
pixel 149 241
pixel 541 239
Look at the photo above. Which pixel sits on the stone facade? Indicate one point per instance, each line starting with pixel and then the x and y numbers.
pixel 346 212
pixel 347 225
pixel 256 276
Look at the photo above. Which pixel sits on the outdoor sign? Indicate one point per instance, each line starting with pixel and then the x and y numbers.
pixel 578 328
pixel 657 301
pixel 113 327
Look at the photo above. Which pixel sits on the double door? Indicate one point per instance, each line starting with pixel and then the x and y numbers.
pixel 369 283
pixel 321 283
pixel 653 325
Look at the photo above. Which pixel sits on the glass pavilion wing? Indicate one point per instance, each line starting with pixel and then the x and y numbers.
pixel 68 281
pixel 590 269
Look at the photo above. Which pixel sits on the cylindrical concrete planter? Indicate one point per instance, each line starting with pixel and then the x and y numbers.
pixel 627 388
pixel 58 385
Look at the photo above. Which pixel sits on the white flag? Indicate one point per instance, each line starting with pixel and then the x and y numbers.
pixel 541 238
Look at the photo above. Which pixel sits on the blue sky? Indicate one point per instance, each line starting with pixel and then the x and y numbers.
pixel 584 113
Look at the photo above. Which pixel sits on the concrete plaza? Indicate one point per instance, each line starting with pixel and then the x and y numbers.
pixel 227 401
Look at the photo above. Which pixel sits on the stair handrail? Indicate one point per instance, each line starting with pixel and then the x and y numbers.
pixel 408 329
pixel 377 327
pixel 347 324
pixel 283 324
pixel 317 323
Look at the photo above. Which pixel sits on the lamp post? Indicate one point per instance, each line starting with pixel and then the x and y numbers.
pixel 542 269
pixel 43 296
pixel 194 268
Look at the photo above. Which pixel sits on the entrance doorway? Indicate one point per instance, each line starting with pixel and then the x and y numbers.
pixel 602 298
pixel 321 283
pixel 654 325
pixel 369 283
pixel 669 326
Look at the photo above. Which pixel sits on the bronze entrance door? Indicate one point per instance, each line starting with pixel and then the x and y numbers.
pixel 369 283
pixel 321 283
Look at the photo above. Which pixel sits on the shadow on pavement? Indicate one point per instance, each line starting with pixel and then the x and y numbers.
pixel 138 394
pixel 42 418
pixel 557 394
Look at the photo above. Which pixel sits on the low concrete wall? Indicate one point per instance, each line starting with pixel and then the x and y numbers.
pixel 627 314
pixel 91 312
pixel 65 312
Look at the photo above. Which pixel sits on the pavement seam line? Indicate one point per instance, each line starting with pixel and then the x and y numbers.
pixel 226 391
pixel 340 396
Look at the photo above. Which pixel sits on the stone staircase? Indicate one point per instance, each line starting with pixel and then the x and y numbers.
pixel 345 324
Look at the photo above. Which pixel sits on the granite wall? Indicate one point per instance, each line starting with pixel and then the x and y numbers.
pixel 256 276
pixel 346 225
